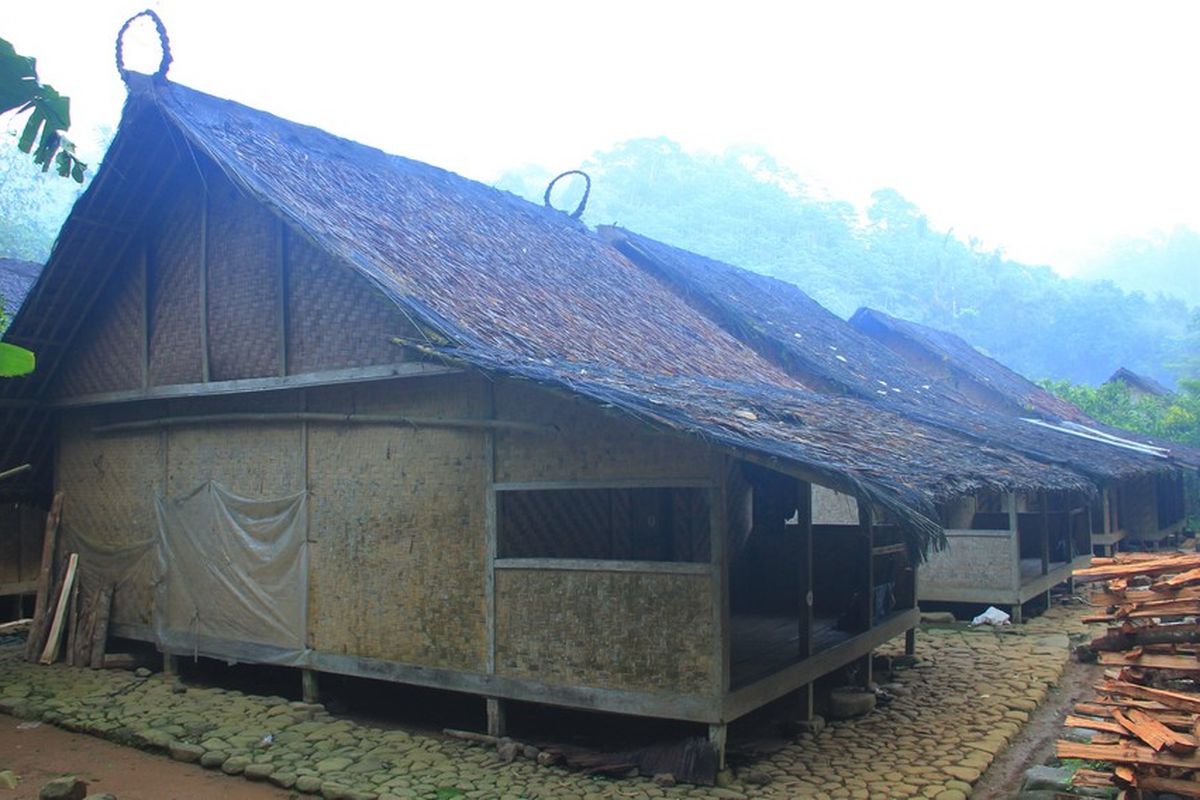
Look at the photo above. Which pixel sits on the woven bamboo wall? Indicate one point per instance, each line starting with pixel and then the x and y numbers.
pixel 1139 508
pixel 397 526
pixel 13 529
pixel 107 356
pixel 175 344
pixel 110 484
pixel 244 283
pixel 248 459
pixel 974 560
pixel 615 630
pixel 590 444
pixel 21 530
pixel 335 318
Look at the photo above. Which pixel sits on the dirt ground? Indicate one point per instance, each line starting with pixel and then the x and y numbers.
pixel 37 752
pixel 1035 743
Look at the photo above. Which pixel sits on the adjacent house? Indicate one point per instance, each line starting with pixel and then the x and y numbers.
pixel 1006 548
pixel 1144 505
pixel 1139 385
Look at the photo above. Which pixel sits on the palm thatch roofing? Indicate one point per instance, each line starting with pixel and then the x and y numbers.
pixel 501 285
pixel 820 349
pixel 16 278
pixel 1143 383
pixel 1006 386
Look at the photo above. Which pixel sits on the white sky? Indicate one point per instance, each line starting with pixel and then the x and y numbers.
pixel 1047 128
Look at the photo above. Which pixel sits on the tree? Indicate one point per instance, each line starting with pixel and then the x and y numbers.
pixel 49 114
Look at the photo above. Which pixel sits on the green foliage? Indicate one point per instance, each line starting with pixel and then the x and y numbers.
pixel 31 208
pixel 741 206
pixel 49 114
pixel 1175 418
pixel 15 361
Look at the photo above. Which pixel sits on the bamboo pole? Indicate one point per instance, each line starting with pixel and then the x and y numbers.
pixel 331 419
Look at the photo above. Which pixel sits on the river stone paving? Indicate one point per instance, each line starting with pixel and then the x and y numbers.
pixel 954 710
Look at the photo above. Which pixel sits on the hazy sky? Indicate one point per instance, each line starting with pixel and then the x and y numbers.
pixel 1048 128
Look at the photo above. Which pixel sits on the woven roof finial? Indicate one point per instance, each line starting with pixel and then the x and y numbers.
pixel 587 190
pixel 164 64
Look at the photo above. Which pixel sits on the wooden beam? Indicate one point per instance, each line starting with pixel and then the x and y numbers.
pixel 1045 532
pixel 718 536
pixel 605 565
pixel 15 471
pixel 49 540
pixel 601 483
pixel 20 587
pixel 310 690
pixel 289 417
pixel 491 547
pixel 790 678
pixel 407 369
pixel 54 640
pixel 663 705
pixel 806 570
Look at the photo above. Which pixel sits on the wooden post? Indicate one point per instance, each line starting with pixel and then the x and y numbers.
pixel 866 522
pixel 804 702
pixel 170 664
pixel 1045 532
pixel 309 690
pixel 497 717
pixel 50 539
pixel 54 640
pixel 806 572
pixel 910 635
pixel 718 737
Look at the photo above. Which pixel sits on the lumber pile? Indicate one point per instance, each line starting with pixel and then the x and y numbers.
pixel 1145 716
pixel 66 607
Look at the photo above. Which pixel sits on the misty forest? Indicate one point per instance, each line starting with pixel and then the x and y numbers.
pixel 743 207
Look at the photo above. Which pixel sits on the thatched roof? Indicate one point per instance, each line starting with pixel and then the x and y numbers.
pixel 1142 383
pixel 1005 386
pixel 1024 398
pixel 820 349
pixel 502 285
pixel 16 278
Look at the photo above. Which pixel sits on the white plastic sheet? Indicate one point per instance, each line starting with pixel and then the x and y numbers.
pixel 993 616
pixel 234 569
pixel 228 575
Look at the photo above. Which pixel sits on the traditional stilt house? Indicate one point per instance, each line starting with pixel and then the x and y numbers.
pixel 1004 548
pixel 1140 505
pixel 442 436
pixel 1139 385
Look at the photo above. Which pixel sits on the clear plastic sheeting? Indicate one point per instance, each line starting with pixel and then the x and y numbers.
pixel 131 567
pixel 234 575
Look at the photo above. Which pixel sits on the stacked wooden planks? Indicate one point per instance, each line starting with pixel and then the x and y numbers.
pixel 1146 712
pixel 67 606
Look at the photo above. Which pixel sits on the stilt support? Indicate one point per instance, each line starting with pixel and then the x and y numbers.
pixel 910 641
pixel 170 665
pixel 309 688
pixel 718 736
pixel 497 717
pixel 804 703
pixel 1015 614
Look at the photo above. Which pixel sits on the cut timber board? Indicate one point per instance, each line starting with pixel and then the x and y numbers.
pixel 54 640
